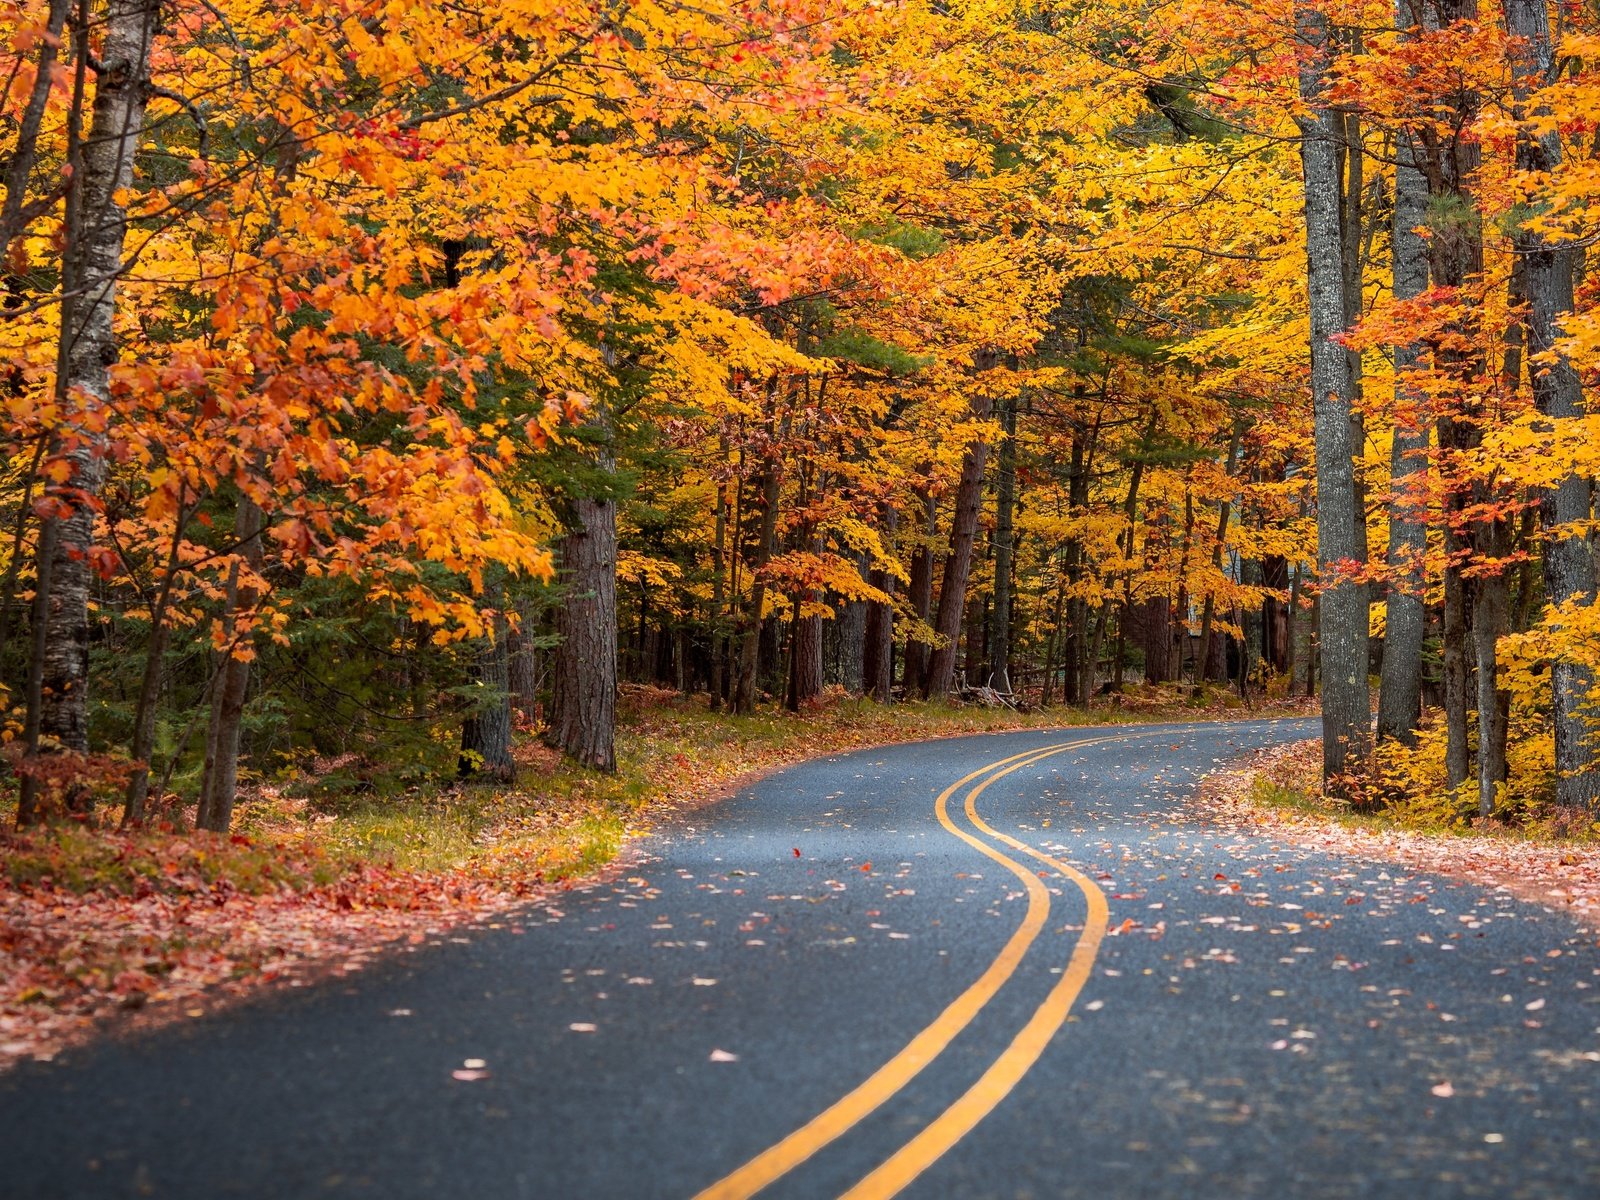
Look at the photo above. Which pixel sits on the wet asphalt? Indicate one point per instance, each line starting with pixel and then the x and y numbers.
pixel 1262 1020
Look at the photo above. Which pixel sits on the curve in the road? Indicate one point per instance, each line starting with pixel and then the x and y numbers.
pixel 923 1150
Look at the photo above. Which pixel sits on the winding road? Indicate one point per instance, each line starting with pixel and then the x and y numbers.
pixel 1003 966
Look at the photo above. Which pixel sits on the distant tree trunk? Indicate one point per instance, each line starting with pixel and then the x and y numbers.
pixel 1346 712
pixel 155 656
pixel 805 658
pixel 744 700
pixel 958 564
pixel 975 663
pixel 1274 612
pixel 1005 504
pixel 1204 669
pixel 583 703
pixel 1294 618
pixel 1155 629
pixel 1569 565
pixel 95 231
pixel 920 593
pixel 486 734
pixel 1490 610
pixel 719 644
pixel 850 629
pixel 524 663
pixel 1405 619
pixel 219 779
pixel 878 653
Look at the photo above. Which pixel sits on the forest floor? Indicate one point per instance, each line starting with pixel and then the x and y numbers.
pixel 1274 792
pixel 101 929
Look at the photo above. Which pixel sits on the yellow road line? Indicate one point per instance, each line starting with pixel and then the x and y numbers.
pixel 922 1151
pixel 850 1109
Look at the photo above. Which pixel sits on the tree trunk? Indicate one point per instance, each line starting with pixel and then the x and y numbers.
pixel 93 263
pixel 1489 614
pixel 220 778
pixel 1204 669
pixel 144 715
pixel 1344 634
pixel 958 564
pixel 486 734
pixel 1005 504
pixel 1569 565
pixel 719 653
pixel 1405 616
pixel 523 678
pixel 920 593
pixel 583 703
pixel 744 699
pixel 878 653
pixel 805 658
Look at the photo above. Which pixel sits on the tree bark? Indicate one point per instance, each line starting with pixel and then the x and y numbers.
pixel 920 594
pixel 88 350
pixel 1405 616
pixel 878 654
pixel 958 563
pixel 1204 668
pixel 1569 565
pixel 1490 610
pixel 1344 635
pixel 1005 504
pixel 744 699
pixel 805 659
pixel 486 733
pixel 583 705
pixel 523 666
pixel 155 657
pixel 220 778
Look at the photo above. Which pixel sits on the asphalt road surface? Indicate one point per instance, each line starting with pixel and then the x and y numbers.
pixel 863 977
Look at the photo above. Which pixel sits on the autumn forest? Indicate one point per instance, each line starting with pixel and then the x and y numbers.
pixel 387 382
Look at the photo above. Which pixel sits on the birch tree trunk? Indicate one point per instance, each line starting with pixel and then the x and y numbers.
pixel 88 350
pixel 1344 633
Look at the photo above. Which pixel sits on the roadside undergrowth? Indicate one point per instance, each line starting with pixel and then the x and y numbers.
pixel 99 926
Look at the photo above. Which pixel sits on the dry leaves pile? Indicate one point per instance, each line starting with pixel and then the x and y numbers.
pixel 157 943
pixel 1559 876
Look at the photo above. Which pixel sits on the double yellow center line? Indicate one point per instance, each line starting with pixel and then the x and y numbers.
pixel 980 1099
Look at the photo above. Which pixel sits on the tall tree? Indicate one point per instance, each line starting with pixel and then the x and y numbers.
pixel 1405 618
pixel 96 228
pixel 958 562
pixel 1346 712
